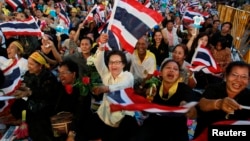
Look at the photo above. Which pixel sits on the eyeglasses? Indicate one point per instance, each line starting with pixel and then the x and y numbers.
pixel 236 76
pixel 115 62
pixel 64 73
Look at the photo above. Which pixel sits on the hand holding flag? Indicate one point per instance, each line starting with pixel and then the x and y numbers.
pixel 128 100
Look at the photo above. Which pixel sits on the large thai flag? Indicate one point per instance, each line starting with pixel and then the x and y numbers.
pixel 12 82
pixel 27 27
pixel 130 20
pixel 203 61
pixel 128 100
pixel 15 3
pixel 204 135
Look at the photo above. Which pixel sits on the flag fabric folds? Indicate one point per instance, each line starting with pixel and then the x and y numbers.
pixel 128 100
pixel 190 13
pixel 27 27
pixel 63 15
pixel 12 82
pixel 203 61
pixel 15 3
pixel 130 20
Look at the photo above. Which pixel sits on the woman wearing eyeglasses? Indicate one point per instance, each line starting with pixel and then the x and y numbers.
pixel 117 125
pixel 224 101
pixel 71 100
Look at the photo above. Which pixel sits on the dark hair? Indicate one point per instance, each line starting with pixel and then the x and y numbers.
pixel 2 78
pixel 166 61
pixel 165 21
pixel 87 38
pixel 216 21
pixel 119 53
pixel 153 40
pixel 229 23
pixel 71 65
pixel 233 64
pixel 223 43
pixel 184 47
pixel 200 35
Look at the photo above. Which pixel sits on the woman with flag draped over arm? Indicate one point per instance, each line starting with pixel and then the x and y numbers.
pixel 225 101
pixel 40 91
pixel 170 92
pixel 117 125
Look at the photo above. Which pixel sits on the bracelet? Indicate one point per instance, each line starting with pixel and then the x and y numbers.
pixel 217 107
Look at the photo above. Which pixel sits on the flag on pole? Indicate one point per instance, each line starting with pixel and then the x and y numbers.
pixel 130 20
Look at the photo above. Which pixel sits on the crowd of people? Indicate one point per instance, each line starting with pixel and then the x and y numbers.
pixel 53 65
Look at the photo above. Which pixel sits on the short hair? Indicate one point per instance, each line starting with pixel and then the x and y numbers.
pixel 223 42
pixel 216 21
pixel 166 61
pixel 87 38
pixel 184 47
pixel 119 53
pixel 229 23
pixel 71 65
pixel 233 64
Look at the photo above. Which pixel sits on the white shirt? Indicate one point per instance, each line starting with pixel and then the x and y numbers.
pixel 124 80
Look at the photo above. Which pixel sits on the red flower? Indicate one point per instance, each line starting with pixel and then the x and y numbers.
pixel 86 80
pixel 68 88
pixel 156 73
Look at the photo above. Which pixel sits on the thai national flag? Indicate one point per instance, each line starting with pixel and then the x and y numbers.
pixel 147 3
pixel 15 3
pixel 27 27
pixel 64 16
pixel 12 82
pixel 204 135
pixel 190 13
pixel 203 60
pixel 130 20
pixel 29 3
pixel 128 100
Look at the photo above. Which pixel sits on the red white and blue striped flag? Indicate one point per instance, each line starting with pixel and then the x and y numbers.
pixel 128 100
pixel 190 13
pixel 15 3
pixel 130 20
pixel 203 61
pixel 28 27
pixel 12 82
pixel 64 16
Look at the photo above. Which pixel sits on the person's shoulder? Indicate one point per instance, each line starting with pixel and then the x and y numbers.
pixel 128 73
pixel 229 36
pixel 150 54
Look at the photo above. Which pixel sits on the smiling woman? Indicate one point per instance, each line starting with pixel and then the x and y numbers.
pixel 42 93
pixel 73 101
pixel 225 100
